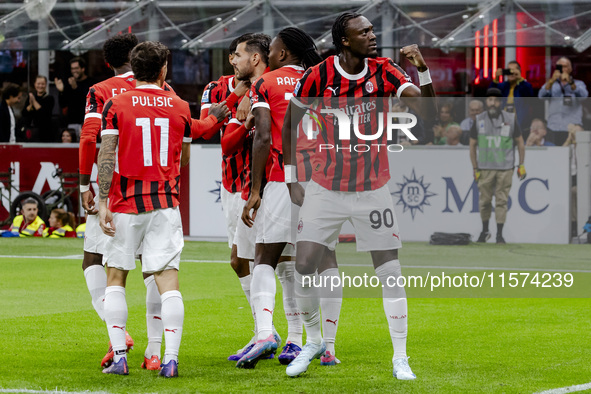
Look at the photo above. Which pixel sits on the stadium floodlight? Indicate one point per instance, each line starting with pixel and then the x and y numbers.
pixel 583 42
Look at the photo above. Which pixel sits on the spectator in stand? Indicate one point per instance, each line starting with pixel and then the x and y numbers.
pixel 537 134
pixel 61 225
pixel 11 96
pixel 452 134
pixel 28 224
pixel 515 88
pixel 474 108
pixel 38 109
pixel 566 100
pixel 73 94
pixel 445 119
pixel 68 136
pixel 571 142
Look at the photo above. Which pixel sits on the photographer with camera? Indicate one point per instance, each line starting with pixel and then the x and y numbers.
pixel 514 87
pixel 565 103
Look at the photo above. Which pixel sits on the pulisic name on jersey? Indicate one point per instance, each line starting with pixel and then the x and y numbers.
pixel 147 101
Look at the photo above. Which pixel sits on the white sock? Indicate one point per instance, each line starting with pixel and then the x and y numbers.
pixel 295 329
pixel 308 302
pixel 173 315
pixel 245 283
pixel 96 281
pixel 395 306
pixel 153 318
pixel 330 305
pixel 116 319
pixel 263 290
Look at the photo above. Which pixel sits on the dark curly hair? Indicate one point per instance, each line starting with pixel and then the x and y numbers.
pixel 147 59
pixel 116 49
pixel 339 29
pixel 300 44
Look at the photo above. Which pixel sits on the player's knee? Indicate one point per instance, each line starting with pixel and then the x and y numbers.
pixel 91 259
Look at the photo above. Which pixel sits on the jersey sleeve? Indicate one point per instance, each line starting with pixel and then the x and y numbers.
pixel 234 137
pixel 307 86
pixel 209 96
pixel 208 129
pixel 397 79
pixel 110 121
pixel 259 95
pixel 90 129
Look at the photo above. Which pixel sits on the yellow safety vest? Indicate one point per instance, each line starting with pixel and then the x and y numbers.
pixel 80 230
pixel 58 232
pixel 31 229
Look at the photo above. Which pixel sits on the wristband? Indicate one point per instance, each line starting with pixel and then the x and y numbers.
pixel 290 174
pixel 84 188
pixel 425 78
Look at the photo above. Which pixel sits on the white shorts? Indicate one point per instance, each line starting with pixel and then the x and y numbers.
pixel 274 215
pixel 94 238
pixel 371 213
pixel 245 238
pixel 156 235
pixel 232 205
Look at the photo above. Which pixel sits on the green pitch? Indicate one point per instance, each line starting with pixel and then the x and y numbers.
pixel 511 340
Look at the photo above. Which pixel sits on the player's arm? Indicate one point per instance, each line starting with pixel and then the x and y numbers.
pixel 235 134
pixel 425 108
pixel 185 154
pixel 106 165
pixel 87 151
pixel 207 128
pixel 187 138
pixel 260 154
pixel 293 117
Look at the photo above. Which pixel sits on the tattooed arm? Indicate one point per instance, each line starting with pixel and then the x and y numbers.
pixel 106 165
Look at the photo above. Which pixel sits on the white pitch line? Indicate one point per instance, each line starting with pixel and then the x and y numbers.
pixel 449 267
pixel 56 391
pixel 569 389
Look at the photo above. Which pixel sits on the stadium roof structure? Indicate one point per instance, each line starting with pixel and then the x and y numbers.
pixel 82 25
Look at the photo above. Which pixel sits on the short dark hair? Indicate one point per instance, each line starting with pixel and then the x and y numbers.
pixel 339 28
pixel 516 63
pixel 256 43
pixel 301 45
pixel 233 45
pixel 30 200
pixel 41 77
pixel 10 90
pixel 147 59
pixel 81 62
pixel 116 49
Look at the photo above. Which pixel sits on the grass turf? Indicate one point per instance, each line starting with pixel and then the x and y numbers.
pixel 52 337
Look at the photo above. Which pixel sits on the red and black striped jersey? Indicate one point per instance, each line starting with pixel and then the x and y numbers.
pixel 273 91
pixel 232 165
pixel 97 96
pixel 152 125
pixel 343 168
pixel 305 150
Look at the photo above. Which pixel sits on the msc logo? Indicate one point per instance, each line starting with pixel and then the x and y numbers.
pixel 217 191
pixel 413 194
